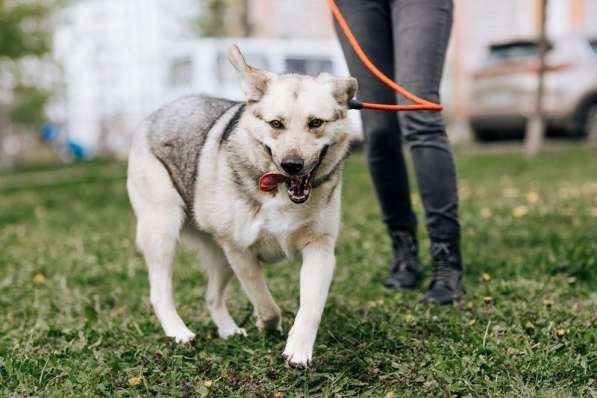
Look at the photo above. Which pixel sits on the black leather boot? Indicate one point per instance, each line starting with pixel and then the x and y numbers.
pixel 404 273
pixel 446 283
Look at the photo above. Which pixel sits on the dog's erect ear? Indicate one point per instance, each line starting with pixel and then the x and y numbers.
pixel 253 81
pixel 343 88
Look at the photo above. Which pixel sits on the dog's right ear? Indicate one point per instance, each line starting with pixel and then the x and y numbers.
pixel 253 81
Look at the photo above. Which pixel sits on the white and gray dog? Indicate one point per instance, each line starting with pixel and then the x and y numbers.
pixel 260 180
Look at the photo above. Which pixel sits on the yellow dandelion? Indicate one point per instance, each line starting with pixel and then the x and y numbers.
pixel 134 381
pixel 529 327
pixel 487 299
pixel 532 197
pixel 472 322
pixel 486 277
pixel 208 384
pixel 485 212
pixel 39 279
pixel 520 211
pixel 561 332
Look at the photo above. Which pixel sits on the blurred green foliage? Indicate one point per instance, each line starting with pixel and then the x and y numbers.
pixel 25 31
pixel 24 28
pixel 222 18
pixel 211 22
pixel 27 107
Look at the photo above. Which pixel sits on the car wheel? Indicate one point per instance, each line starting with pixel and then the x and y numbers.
pixel 590 125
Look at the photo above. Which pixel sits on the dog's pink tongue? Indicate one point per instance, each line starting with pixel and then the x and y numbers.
pixel 269 181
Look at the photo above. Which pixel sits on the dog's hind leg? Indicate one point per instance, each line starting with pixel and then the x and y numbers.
pixel 214 261
pixel 157 236
pixel 160 215
pixel 251 278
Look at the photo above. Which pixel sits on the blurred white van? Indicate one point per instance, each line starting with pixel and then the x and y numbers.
pixel 201 65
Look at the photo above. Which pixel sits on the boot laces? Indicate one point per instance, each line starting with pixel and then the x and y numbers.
pixel 442 268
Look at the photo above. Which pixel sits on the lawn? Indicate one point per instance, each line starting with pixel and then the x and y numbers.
pixel 75 318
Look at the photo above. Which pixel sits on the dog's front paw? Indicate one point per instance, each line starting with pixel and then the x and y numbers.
pixel 181 335
pixel 226 333
pixel 298 352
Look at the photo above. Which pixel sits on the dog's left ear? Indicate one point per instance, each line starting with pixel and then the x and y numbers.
pixel 253 81
pixel 343 88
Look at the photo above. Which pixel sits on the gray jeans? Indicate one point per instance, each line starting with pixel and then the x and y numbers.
pixel 407 40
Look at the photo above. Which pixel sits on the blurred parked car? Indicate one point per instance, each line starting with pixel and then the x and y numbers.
pixel 504 88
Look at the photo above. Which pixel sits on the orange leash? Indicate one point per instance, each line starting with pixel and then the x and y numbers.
pixel 420 103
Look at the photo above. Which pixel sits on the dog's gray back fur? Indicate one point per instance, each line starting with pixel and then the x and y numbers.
pixel 177 132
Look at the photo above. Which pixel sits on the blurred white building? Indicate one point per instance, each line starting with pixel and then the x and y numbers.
pixel 113 54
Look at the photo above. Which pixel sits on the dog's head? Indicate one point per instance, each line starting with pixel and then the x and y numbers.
pixel 300 121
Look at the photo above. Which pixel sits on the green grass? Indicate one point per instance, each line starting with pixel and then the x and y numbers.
pixel 75 318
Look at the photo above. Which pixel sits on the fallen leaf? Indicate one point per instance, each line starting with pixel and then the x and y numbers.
pixel 472 322
pixel 485 212
pixel 520 211
pixel 532 197
pixel 39 279
pixel 134 381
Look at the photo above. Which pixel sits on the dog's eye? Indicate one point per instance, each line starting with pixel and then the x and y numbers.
pixel 276 124
pixel 315 123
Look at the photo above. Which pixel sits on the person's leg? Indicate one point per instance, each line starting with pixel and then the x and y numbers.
pixel 421 35
pixel 371 23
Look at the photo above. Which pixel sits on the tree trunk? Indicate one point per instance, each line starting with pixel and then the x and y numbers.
pixel 535 129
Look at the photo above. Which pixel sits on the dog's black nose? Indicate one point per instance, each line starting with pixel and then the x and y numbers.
pixel 292 164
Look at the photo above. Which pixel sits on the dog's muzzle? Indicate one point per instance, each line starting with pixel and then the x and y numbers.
pixel 299 187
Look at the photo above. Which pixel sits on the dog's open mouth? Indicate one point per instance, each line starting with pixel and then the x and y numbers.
pixel 299 188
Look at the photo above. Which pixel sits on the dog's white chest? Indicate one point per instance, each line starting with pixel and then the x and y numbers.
pixel 275 221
